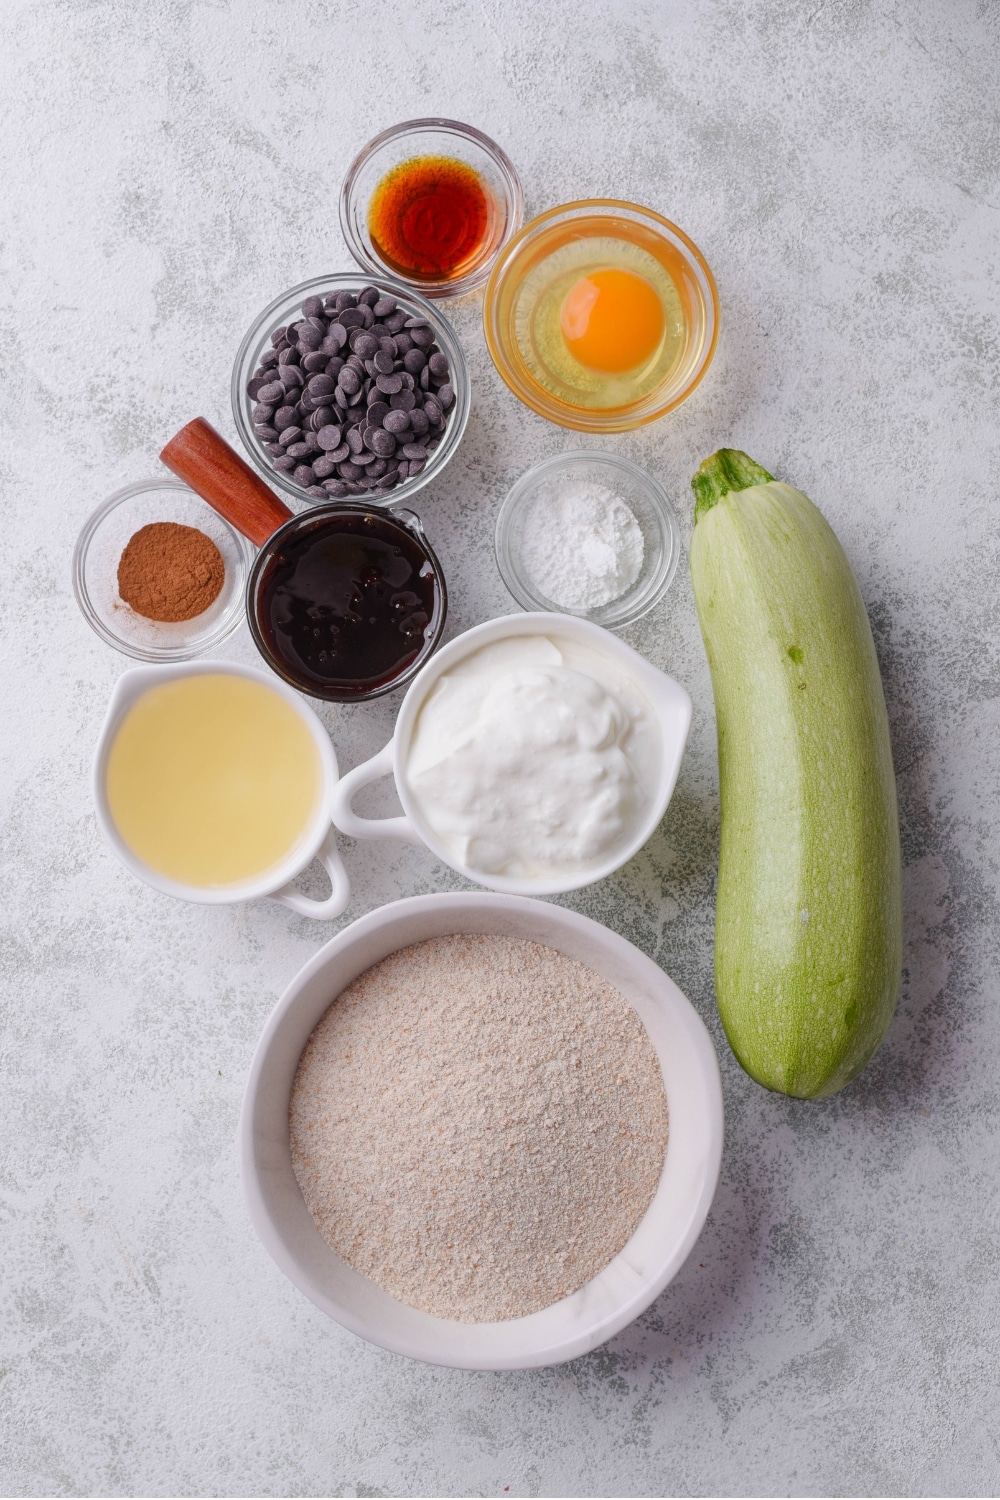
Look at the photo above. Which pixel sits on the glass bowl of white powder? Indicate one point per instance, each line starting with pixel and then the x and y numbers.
pixel 588 534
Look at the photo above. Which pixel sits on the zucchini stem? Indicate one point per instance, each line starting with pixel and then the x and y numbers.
pixel 729 469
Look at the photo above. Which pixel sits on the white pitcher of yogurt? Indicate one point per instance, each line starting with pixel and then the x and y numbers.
pixel 534 754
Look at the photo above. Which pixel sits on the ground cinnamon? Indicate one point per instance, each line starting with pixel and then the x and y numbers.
pixel 170 572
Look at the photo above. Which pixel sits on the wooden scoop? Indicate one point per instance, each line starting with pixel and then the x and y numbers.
pixel 205 461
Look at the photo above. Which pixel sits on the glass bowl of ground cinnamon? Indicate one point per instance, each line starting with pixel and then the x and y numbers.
pixel 158 574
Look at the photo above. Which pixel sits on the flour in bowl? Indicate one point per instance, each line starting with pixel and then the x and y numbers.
pixel 478 1124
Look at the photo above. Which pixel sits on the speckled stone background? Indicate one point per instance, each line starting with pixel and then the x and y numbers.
pixel 167 168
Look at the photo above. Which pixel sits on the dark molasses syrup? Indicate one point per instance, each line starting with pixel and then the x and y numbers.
pixel 345 604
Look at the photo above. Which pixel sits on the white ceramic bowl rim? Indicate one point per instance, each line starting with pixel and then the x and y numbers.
pixel 128 689
pixel 636 1276
pixel 667 697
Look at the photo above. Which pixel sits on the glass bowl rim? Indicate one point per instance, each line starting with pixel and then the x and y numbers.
pixel 530 391
pixel 228 620
pixel 514 194
pixel 345 281
pixel 614 614
pixel 316 512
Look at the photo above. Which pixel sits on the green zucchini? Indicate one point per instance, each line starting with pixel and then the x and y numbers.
pixel 808 926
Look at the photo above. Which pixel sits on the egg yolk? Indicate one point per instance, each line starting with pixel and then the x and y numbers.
pixel 612 320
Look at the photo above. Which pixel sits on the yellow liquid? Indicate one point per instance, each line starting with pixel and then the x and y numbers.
pixel 213 780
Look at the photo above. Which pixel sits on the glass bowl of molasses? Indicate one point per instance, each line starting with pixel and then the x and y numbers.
pixel 431 202
pixel 347 601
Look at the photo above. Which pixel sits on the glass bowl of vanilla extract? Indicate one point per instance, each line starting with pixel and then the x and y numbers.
pixel 431 202
pixel 346 601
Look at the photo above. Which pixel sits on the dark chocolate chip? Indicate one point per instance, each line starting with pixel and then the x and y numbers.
pixel 329 437
pixel 369 296
pixel 413 450
pixel 315 361
pixel 422 336
pixel 284 464
pixel 377 412
pixel 414 361
pixel 272 392
pixel 439 365
pixel 352 317
pixel 389 385
pixel 266 432
pixel 335 487
pixel 405 401
pixel 298 450
pixel 354 440
pixel 303 475
pixel 290 435
pixel 348 470
pixel 384 306
pixel 323 467
pixel 322 385
pixel 419 422
pixel 446 396
pixel 382 442
pixel 396 421
pixel 317 491
pixel 284 417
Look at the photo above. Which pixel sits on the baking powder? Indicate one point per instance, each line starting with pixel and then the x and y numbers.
pixel 581 547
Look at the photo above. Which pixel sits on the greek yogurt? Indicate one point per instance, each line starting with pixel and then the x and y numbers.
pixel 533 756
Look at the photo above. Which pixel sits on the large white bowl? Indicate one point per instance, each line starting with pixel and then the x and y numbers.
pixel 635 1277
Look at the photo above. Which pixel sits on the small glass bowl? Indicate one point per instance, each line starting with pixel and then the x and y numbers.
pixel 646 499
pixel 281 311
pixel 314 520
pixel 415 138
pixel 95 572
pixel 517 284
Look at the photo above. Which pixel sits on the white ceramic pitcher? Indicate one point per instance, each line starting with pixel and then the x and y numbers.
pixel 669 701
pixel 318 840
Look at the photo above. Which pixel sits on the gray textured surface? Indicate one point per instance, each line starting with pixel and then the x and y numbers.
pixel 169 167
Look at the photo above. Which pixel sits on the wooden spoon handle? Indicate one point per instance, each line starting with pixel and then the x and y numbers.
pixel 205 461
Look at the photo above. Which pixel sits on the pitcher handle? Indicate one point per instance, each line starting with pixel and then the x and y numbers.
pixel 350 822
pixel 340 888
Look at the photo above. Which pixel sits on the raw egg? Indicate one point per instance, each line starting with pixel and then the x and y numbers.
pixel 612 320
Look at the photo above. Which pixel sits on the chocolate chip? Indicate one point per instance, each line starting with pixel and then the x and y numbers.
pixel 439 365
pixel 289 357
pixel 284 417
pixel 348 470
pixel 315 361
pixel 317 491
pixel 269 359
pixel 304 475
pixel 383 362
pixel 292 378
pixel 394 321
pixel 377 412
pixel 290 435
pixel 384 306
pixel 309 337
pixel 334 366
pixel 382 442
pixel 414 361
pixel 364 345
pixel 432 410
pixel 312 307
pixel 321 417
pixel 335 339
pixel 337 455
pixel 396 421
pixel 422 336
pixel 352 317
pixel 349 380
pixel 369 296
pixel 266 432
pixel 322 385
pixel 284 464
pixel 272 392
pixel 354 440
pixel 277 336
pixel 414 450
pixel 390 385
pixel 297 450
pixel 329 437
pixel 335 487
pixel 446 396
pixel 419 422
pixel 405 401
pixel 323 467
pixel 403 344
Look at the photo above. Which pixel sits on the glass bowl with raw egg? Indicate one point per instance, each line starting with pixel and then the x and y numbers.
pixel 601 315
pixel 431 202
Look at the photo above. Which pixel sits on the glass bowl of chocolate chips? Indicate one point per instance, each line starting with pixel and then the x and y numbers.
pixel 350 389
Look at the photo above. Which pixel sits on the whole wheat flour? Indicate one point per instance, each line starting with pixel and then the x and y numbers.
pixel 478 1124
